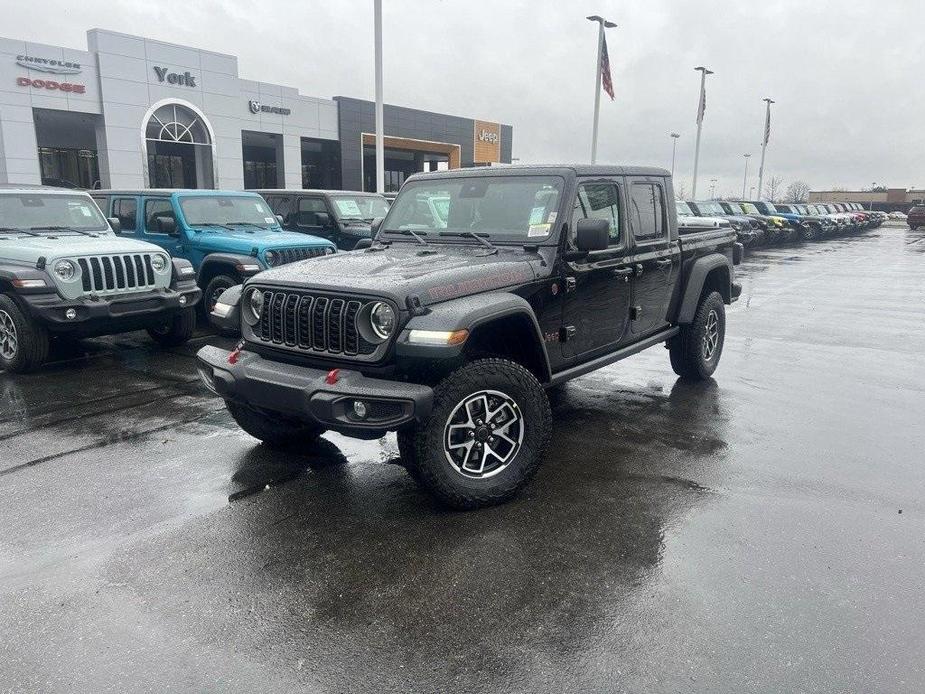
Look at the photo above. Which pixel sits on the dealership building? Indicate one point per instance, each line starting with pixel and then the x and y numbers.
pixel 132 112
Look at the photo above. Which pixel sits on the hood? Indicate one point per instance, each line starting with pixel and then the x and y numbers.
pixel 434 273
pixel 694 221
pixel 244 239
pixel 53 246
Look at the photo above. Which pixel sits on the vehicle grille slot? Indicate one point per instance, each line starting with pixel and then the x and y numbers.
pixel 108 279
pixel 290 330
pixel 265 317
pixel 305 323
pixel 276 317
pixel 351 336
pixel 120 271
pixel 97 274
pixel 319 338
pixel 336 325
pixel 129 265
pixel 86 277
pixel 149 271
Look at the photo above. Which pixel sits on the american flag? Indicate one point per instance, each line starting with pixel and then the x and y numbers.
pixel 767 126
pixel 606 81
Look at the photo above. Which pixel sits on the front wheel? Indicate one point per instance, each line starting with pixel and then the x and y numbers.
pixel 213 290
pixel 175 330
pixel 696 350
pixel 485 437
pixel 273 430
pixel 23 344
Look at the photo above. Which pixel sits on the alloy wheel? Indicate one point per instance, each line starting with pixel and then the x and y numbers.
pixel 483 434
pixel 710 335
pixel 9 341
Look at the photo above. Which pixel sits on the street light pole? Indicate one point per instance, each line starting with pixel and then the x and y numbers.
pixel 872 194
pixel 745 178
pixel 601 24
pixel 713 189
pixel 764 145
pixel 380 128
pixel 674 146
pixel 701 107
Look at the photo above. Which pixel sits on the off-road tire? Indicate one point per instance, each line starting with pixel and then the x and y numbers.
pixel 32 340
pixel 273 430
pixel 432 467
pixel 687 349
pixel 218 284
pixel 176 330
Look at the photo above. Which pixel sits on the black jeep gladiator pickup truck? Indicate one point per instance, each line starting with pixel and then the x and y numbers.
pixel 449 327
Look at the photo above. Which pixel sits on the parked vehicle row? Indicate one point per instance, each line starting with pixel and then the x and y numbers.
pixel 758 222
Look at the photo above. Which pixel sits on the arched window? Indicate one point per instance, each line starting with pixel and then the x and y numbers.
pixel 176 123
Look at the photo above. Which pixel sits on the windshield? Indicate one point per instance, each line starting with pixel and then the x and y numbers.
pixel 38 211
pixel 359 207
pixel 684 210
pixel 711 209
pixel 748 208
pixel 250 210
pixel 770 208
pixel 506 208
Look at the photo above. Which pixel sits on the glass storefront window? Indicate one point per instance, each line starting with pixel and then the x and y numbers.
pixel 69 168
pixel 321 164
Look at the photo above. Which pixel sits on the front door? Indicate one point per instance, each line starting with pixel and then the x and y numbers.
pixel 655 257
pixel 598 288
pixel 308 220
pixel 154 208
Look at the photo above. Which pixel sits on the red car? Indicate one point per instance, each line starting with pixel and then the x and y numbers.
pixel 916 217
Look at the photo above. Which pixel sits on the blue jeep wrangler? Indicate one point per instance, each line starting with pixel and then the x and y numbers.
pixel 227 235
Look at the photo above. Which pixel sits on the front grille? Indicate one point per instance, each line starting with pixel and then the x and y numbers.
pixel 117 273
pixel 291 255
pixel 313 323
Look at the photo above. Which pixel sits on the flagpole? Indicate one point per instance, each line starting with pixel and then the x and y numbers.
pixel 700 109
pixel 764 145
pixel 745 177
pixel 597 80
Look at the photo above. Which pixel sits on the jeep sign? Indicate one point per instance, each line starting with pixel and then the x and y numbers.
pixel 184 80
pixel 488 136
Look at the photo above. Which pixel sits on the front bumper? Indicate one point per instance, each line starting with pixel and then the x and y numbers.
pixel 304 393
pixel 116 312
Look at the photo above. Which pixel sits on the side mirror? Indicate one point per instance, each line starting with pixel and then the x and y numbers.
pixel 592 234
pixel 363 243
pixel 323 219
pixel 167 225
pixel 115 223
pixel 374 227
pixel 279 218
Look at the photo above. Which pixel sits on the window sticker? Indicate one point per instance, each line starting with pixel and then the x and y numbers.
pixel 269 220
pixel 536 215
pixel 552 217
pixel 348 208
pixel 538 230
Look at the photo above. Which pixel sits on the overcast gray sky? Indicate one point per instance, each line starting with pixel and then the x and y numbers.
pixel 847 75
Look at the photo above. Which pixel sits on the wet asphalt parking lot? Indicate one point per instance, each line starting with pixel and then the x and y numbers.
pixel 764 531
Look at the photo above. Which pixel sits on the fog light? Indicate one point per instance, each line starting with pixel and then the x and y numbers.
pixel 70 314
pixel 359 409
pixel 182 300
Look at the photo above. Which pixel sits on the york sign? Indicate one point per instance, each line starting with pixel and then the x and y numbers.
pixel 184 80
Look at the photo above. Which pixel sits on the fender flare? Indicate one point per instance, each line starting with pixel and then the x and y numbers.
pixel 232 259
pixel 697 277
pixel 472 313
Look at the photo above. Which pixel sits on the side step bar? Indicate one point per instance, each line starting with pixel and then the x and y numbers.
pixel 628 351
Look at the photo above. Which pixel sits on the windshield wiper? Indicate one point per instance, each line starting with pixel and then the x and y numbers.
pixel 20 231
pixel 472 234
pixel 409 232
pixel 213 224
pixel 60 228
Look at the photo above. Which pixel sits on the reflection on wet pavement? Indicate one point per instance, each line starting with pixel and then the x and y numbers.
pixel 735 535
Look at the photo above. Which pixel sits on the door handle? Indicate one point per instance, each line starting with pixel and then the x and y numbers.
pixel 624 272
pixel 639 269
pixel 664 262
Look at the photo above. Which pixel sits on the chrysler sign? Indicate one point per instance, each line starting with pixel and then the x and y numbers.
pixel 56 67
pixel 257 107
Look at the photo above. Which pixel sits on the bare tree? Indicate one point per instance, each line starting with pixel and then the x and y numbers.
pixel 797 191
pixel 773 187
pixel 680 192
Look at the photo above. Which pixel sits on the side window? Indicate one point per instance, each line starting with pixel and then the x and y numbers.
pixel 308 211
pixel 155 209
pixel 647 213
pixel 102 202
pixel 282 206
pixel 126 209
pixel 598 201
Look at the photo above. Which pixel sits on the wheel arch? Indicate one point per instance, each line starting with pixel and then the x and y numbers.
pixel 707 274
pixel 222 264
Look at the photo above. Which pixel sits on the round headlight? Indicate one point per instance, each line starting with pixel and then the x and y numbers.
pixel 254 306
pixel 66 270
pixel 159 262
pixel 271 258
pixel 382 320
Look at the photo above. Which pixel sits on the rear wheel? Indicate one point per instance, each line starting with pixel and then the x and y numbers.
pixel 23 344
pixel 273 430
pixel 213 291
pixel 696 350
pixel 175 330
pixel 485 437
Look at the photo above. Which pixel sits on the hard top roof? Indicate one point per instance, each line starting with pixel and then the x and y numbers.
pixel 548 170
pixel 313 191
pixel 169 191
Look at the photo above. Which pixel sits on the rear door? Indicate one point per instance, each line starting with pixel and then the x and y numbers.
pixel 655 258
pixel 597 301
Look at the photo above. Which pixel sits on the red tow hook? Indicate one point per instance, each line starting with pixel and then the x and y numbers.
pixel 332 377
pixel 236 352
